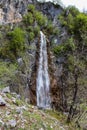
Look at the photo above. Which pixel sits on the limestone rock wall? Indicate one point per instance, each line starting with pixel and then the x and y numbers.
pixel 11 11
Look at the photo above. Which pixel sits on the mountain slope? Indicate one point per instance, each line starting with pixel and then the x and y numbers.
pixel 16 114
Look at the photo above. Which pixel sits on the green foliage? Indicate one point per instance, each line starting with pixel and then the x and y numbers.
pixel 58 50
pixel 56 31
pixel 50 27
pixel 34 16
pixel 34 20
pixel 14 44
pixel 31 36
pixel 70 45
pixel 31 8
pixel 33 32
pixel 73 62
pixel 1 36
pixel 73 10
pixel 74 21
pixel 80 24
pixel 7 72
pixel 63 49
pixel 67 18
pixel 28 19
pixel 70 23
pixel 6 69
pixel 40 18
pixel 36 30
pixel 17 39
pixel 29 29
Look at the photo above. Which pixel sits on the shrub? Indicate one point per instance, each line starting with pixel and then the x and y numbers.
pixel 31 36
pixel 50 27
pixel 40 18
pixel 69 46
pixel 58 50
pixel 80 24
pixel 36 30
pixel 28 19
pixel 31 8
pixel 16 40
pixel 29 29
pixel 1 36
pixel 73 10
pixel 65 48
pixel 55 31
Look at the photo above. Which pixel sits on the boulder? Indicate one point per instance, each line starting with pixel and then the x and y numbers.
pixel 2 101
pixel 6 90
pixel 12 123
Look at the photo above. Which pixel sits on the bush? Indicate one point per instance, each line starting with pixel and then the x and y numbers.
pixel 40 18
pixel 31 8
pixel 80 24
pixel 16 40
pixel 50 27
pixel 58 50
pixel 36 30
pixel 69 46
pixel 65 48
pixel 31 36
pixel 1 36
pixel 28 19
pixel 73 10
pixel 55 31
pixel 29 29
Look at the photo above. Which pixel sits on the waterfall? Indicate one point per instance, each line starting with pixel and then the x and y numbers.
pixel 43 81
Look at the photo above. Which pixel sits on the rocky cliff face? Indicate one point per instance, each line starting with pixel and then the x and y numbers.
pixel 12 10
pixel 49 9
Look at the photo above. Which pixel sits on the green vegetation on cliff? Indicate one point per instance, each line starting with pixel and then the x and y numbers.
pixel 73 54
pixel 17 61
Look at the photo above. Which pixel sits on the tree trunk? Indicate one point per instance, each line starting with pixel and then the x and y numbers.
pixel 71 111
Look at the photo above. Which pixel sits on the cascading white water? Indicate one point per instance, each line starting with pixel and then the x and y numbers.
pixel 43 81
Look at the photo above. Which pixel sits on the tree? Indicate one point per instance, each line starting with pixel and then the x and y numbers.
pixel 76 67
pixel 28 19
pixel 80 25
pixel 16 40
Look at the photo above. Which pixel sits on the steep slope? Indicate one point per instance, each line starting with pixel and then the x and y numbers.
pixel 16 114
pixel 12 11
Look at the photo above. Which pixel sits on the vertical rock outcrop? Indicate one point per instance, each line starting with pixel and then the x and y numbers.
pixel 11 11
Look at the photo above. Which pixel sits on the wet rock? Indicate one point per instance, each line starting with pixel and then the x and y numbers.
pixel 2 101
pixel 6 90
